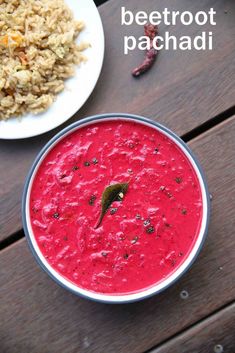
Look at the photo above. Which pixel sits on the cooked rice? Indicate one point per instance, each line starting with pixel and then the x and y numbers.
pixel 37 53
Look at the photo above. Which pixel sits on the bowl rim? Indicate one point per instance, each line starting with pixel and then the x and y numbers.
pixel 149 291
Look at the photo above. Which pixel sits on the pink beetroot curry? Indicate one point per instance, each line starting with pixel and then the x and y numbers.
pixel 148 228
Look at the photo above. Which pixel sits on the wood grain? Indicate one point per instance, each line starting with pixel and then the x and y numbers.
pixel 183 89
pixel 212 335
pixel 39 316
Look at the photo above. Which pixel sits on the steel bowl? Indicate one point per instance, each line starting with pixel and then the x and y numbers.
pixel 142 294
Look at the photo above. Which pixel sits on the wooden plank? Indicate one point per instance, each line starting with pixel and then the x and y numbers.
pixel 215 334
pixel 39 316
pixel 183 90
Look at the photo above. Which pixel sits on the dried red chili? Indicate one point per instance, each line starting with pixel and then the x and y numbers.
pixel 150 31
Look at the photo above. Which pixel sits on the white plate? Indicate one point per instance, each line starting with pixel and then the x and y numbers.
pixel 78 88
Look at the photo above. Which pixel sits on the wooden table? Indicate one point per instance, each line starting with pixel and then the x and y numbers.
pixel 193 94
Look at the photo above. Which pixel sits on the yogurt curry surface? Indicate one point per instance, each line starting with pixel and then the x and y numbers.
pixel 146 233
